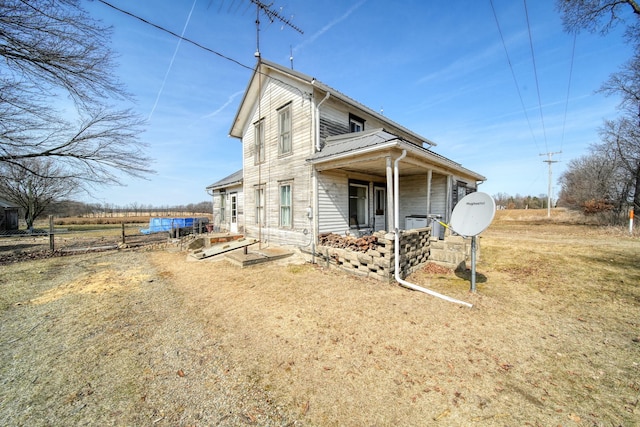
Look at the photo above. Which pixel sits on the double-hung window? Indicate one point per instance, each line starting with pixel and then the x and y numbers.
pixel 286 219
pixel 223 202
pixel 284 130
pixel 260 206
pixel 259 141
pixel 358 204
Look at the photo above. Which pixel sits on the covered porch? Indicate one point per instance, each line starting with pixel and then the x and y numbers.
pixel 353 183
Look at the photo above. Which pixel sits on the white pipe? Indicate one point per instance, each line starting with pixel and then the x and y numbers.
pixel 396 246
pixel 317 120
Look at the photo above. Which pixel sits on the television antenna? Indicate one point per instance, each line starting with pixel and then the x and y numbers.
pixel 471 216
pixel 272 15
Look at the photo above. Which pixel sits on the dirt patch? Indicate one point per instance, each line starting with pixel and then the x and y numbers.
pixel 148 338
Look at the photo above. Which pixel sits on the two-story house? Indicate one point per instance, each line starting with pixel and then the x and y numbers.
pixel 316 161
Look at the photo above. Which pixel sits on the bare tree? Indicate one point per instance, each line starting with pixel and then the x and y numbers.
pixel 52 50
pixel 34 186
pixel 599 16
pixel 623 137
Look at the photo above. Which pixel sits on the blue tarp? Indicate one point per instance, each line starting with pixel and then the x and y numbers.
pixel 157 225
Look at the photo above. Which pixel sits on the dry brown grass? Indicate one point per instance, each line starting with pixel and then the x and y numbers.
pixel 553 338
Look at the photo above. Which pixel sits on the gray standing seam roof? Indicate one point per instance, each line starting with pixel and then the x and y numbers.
pixel 234 178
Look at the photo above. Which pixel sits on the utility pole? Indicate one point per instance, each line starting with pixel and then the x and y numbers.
pixel 549 161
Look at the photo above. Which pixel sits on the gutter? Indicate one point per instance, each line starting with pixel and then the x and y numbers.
pixel 396 246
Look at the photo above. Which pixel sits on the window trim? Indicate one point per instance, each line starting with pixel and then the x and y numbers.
pixel 259 202
pixel 281 206
pixel 223 205
pixel 353 119
pixel 365 185
pixel 285 109
pixel 259 141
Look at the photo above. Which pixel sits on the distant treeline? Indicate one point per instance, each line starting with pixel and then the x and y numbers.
pixel 71 208
pixel 506 201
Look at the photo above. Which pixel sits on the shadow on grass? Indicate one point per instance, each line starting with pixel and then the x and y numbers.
pixel 466 275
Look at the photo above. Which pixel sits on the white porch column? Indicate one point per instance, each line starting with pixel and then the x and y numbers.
pixel 447 200
pixel 429 176
pixel 390 219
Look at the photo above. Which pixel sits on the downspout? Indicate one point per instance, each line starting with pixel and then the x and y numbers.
pixel 317 121
pixel 396 246
pixel 314 177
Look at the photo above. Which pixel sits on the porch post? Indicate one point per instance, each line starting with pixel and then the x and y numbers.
pixel 429 176
pixel 390 219
pixel 447 200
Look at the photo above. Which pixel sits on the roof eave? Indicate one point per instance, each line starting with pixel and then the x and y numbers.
pixel 400 144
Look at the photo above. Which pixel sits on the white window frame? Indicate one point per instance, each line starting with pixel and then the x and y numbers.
pixel 260 208
pixel 223 204
pixel 285 136
pixel 356 184
pixel 286 206
pixel 258 135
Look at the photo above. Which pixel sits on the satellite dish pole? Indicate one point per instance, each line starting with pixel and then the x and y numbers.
pixel 471 216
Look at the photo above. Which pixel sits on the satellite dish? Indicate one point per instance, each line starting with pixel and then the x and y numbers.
pixel 473 214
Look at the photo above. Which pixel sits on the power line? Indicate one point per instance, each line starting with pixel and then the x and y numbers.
pixel 566 106
pixel 257 69
pixel 535 73
pixel 176 35
pixel 513 74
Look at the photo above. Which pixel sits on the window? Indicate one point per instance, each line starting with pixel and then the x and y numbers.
pixel 358 204
pixel 284 130
pixel 223 202
pixel 260 206
pixel 285 205
pixel 356 124
pixel 459 192
pixel 259 141
pixel 380 200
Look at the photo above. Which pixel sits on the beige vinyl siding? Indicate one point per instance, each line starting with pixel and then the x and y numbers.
pixel 333 203
pixel 413 197
pixel 218 222
pixel 439 195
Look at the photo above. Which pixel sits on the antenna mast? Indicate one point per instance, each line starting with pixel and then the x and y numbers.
pixel 273 15
pixel 549 161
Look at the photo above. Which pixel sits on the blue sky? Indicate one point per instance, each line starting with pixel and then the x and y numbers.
pixel 438 68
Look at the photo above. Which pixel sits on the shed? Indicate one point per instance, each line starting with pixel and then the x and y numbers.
pixel 8 216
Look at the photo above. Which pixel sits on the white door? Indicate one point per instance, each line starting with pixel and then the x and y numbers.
pixel 234 212
pixel 380 203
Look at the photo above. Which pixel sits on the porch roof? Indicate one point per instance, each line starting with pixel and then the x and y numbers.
pixel 364 152
pixel 228 181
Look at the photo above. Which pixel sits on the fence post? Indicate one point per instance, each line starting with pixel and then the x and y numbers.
pixel 123 235
pixel 52 245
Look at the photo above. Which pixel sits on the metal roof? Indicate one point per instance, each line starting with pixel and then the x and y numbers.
pixel 7 205
pixel 314 83
pixel 228 181
pixel 376 140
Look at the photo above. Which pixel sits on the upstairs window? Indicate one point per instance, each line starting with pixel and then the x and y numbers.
pixel 284 130
pixel 259 141
pixel 356 124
